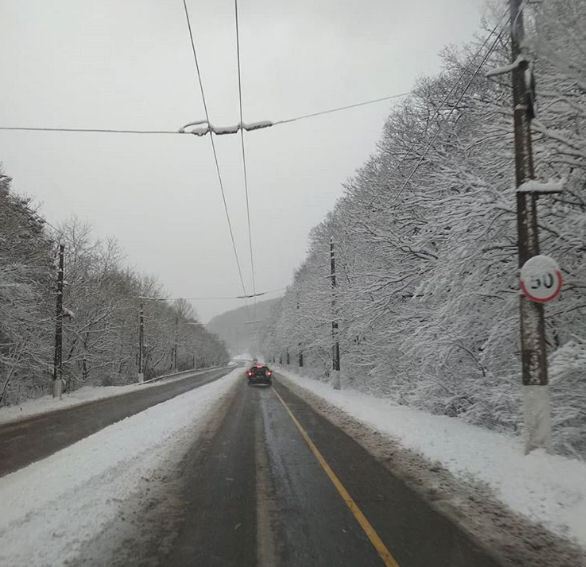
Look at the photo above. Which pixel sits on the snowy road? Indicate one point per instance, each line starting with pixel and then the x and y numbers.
pixel 254 494
pixel 28 440
pixel 227 475
pixel 56 509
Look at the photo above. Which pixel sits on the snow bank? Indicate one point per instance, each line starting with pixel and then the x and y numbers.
pixel 547 489
pixel 50 508
pixel 46 404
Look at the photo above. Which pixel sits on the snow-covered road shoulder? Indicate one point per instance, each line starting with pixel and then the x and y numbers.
pixel 547 489
pixel 52 507
pixel 84 395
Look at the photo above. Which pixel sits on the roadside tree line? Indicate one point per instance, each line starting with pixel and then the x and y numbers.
pixel 102 300
pixel 426 265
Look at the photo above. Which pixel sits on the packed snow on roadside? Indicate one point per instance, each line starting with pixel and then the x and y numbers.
pixel 53 506
pixel 547 489
pixel 46 404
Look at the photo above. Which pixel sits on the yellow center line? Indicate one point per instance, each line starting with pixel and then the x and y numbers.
pixel 374 538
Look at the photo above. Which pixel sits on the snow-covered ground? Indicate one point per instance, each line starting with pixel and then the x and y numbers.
pixel 51 508
pixel 547 489
pixel 46 404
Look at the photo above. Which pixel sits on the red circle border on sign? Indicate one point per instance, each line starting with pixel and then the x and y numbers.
pixel 549 297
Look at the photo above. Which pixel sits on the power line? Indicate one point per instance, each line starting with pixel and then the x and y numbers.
pixel 205 106
pixel 207 128
pixel 440 107
pixel 243 149
pixel 212 297
pixel 265 124
pixel 464 91
pixel 89 130
pixel 201 298
pixel 340 108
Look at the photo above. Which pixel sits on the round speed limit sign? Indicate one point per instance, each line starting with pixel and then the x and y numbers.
pixel 541 279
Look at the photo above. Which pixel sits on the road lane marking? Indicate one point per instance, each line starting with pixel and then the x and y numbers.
pixel 370 532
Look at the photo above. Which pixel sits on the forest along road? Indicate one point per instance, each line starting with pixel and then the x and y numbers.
pixel 28 440
pixel 254 493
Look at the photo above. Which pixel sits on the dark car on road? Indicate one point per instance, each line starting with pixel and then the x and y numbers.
pixel 259 374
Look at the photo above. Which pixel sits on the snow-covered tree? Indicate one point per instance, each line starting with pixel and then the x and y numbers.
pixel 426 239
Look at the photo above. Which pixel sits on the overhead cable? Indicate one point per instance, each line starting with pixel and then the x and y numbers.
pixel 340 108
pixel 242 146
pixel 213 297
pixel 90 130
pixel 204 127
pixel 205 106
pixel 464 91
pixel 416 146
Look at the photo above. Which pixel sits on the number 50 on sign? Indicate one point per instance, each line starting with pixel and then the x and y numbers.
pixel 541 279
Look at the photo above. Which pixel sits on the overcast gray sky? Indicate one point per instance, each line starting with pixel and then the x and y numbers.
pixel 128 64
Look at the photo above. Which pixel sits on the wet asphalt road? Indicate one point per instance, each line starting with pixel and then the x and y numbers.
pixel 29 440
pixel 254 494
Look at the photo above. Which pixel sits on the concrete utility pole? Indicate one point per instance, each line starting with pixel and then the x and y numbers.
pixel 141 343
pixel 58 358
pixel 335 340
pixel 536 401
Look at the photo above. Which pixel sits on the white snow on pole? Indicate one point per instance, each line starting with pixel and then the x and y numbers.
pixel 537 418
pixel 68 313
pixel 336 381
pixel 534 186
pixel 506 68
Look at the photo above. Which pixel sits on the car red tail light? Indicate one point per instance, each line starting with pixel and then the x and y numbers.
pixel 269 373
pixel 250 373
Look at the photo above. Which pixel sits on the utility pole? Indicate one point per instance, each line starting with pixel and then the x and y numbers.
pixel 288 358
pixel 175 343
pixel 536 400
pixel 141 343
pixel 58 358
pixel 335 339
pixel 300 349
